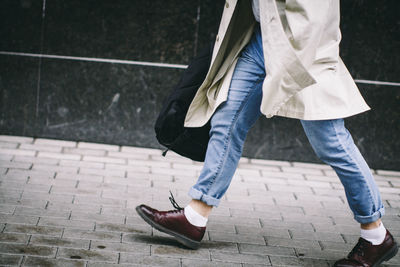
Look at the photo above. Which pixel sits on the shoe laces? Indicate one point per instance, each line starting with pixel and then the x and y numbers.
pixel 359 248
pixel 173 202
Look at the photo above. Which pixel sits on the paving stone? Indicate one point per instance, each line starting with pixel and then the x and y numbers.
pixel 265 231
pixel 33 229
pixel 51 181
pixel 285 175
pixel 239 258
pixel 13 238
pixel 221 227
pixel 282 209
pixel 338 246
pixel 59 242
pixel 331 173
pixel 91 255
pixel 204 263
pixel 34 203
pixel 98 146
pixel 311 165
pixel 79 215
pixel 269 162
pixel 15 165
pixel 85 177
pixel 125 155
pixel 65 169
pixel 82 199
pixel 4 144
pixel 322 178
pixel 8 218
pixel 47 196
pixel 103 172
pixel 36 160
pixel 269 214
pixel 149 260
pixel 39 147
pixel 42 188
pixel 177 252
pixel 235 220
pixel 123 228
pixel 291 243
pixel 16 151
pixel 82 164
pixel 6 157
pixel 174 159
pixel 300 170
pixel 39 261
pixel 237 238
pixel 74 191
pixel 387 172
pixel 53 155
pixel 87 234
pixel 7 209
pixel 288 188
pixel 22 174
pixel 266 250
pixel 66 223
pixel 15 139
pixel 54 142
pixel 27 250
pixel 10 260
pixel 88 207
pixel 336 237
pixel 104 159
pixel 325 254
pixel 219 246
pixel 101 245
pixel 3 171
pixel 41 212
pixel 292 261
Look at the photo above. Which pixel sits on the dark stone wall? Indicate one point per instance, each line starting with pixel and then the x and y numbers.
pixel 118 103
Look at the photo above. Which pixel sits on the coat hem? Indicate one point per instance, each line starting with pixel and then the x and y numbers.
pixel 318 116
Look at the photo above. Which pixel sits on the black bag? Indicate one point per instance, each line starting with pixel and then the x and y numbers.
pixel 170 132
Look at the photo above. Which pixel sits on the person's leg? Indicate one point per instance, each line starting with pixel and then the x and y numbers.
pixel 229 126
pixel 334 145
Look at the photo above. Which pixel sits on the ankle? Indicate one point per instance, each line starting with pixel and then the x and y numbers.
pixel 200 207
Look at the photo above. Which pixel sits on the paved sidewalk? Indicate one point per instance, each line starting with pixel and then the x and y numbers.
pixel 68 203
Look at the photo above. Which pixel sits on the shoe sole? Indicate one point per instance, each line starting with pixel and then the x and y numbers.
pixel 181 238
pixel 390 254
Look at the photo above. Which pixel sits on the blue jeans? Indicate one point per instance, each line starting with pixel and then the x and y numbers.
pixel 330 140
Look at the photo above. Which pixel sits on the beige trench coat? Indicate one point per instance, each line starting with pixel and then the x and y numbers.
pixel 305 77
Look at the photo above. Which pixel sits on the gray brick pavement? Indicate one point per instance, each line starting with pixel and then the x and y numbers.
pixel 65 203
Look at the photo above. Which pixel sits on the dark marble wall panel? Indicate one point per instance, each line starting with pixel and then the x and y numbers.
pixel 18 91
pixel 101 102
pixel 20 25
pixel 210 15
pixel 158 31
pixel 371 38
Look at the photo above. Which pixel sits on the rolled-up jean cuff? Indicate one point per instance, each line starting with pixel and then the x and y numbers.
pixel 196 194
pixel 371 218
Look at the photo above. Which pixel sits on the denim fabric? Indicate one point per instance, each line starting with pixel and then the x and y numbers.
pixel 329 138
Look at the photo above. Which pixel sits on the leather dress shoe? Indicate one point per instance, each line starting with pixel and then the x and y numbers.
pixel 364 254
pixel 174 223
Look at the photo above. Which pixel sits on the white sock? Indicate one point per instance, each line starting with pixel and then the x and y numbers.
pixel 375 236
pixel 194 217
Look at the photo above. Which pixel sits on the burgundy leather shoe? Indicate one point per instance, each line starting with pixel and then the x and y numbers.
pixel 174 223
pixel 364 254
